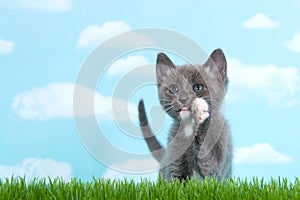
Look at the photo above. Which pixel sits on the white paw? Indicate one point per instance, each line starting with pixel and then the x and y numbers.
pixel 200 110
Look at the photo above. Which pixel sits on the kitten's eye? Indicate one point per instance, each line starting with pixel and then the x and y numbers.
pixel 173 89
pixel 198 87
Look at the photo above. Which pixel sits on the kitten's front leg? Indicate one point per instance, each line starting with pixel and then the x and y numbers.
pixel 199 111
pixel 182 168
pixel 208 166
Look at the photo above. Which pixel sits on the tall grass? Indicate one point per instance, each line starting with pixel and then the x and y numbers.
pixel 18 188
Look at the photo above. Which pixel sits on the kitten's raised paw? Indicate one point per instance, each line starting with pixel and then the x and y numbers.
pixel 200 110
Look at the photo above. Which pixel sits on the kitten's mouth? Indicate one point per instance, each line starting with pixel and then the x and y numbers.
pixel 184 113
pixel 184 109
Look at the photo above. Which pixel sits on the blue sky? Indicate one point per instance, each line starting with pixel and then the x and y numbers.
pixel 43 45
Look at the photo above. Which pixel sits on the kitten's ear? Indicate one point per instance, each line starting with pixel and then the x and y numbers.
pixel 163 64
pixel 217 64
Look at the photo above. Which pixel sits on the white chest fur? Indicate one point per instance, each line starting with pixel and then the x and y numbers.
pixel 188 128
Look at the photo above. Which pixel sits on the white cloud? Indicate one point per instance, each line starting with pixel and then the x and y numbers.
pixel 6 47
pixel 277 84
pixel 294 44
pixel 55 100
pixel 94 35
pixel 49 5
pixel 260 153
pixel 41 168
pixel 50 101
pixel 134 169
pixel 260 21
pixel 127 64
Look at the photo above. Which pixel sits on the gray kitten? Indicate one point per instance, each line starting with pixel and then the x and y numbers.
pixel 199 142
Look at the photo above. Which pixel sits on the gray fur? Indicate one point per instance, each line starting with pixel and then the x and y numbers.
pixel 207 152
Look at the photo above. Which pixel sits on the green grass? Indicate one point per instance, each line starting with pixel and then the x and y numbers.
pixel 18 188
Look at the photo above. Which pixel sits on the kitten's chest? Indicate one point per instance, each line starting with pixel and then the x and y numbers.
pixel 188 128
pixel 182 131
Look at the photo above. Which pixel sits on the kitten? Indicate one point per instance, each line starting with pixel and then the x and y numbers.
pixel 199 142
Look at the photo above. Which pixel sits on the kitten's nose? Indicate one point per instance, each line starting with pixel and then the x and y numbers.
pixel 183 101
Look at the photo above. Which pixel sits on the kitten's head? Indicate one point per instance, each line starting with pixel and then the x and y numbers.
pixel 178 86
